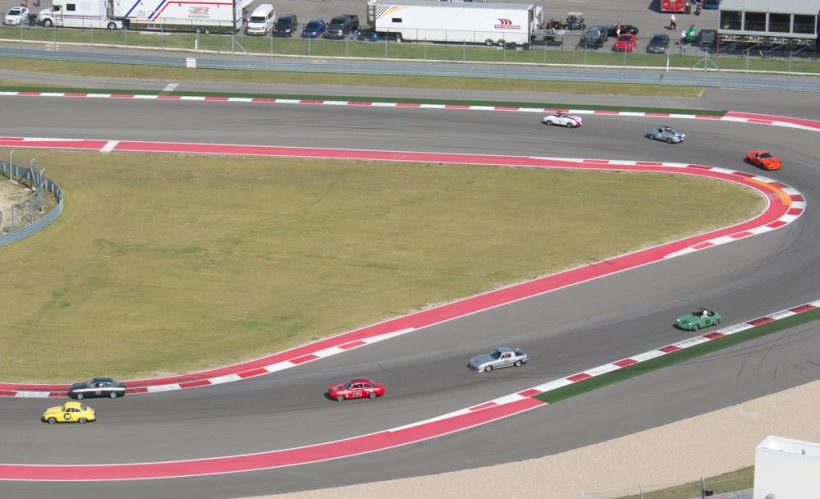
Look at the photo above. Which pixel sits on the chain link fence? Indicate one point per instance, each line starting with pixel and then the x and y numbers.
pixel 562 47
pixel 735 485
pixel 33 201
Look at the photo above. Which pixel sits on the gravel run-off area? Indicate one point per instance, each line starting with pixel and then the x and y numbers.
pixel 10 193
pixel 707 445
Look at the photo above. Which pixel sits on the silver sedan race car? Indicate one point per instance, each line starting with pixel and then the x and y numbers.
pixel 498 358
pixel 666 134
pixel 563 119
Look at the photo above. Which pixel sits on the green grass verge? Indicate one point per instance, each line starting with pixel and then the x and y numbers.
pixel 360 98
pixel 167 263
pixel 199 75
pixel 408 51
pixel 676 357
pixel 741 479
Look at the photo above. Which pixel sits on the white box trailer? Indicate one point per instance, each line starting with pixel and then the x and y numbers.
pixel 79 14
pixel 457 22
pixel 198 16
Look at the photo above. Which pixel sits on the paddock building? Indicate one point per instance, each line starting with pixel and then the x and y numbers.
pixel 785 23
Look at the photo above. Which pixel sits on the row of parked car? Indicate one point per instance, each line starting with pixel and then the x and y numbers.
pixel 263 20
pixel 626 38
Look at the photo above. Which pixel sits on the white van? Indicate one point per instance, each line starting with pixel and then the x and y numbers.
pixel 262 20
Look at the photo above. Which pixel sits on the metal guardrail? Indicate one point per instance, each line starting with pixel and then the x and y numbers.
pixel 438 69
pixel 41 184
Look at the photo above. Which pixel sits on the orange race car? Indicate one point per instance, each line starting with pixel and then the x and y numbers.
pixel 763 159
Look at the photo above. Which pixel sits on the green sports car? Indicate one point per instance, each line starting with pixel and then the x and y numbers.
pixel 699 319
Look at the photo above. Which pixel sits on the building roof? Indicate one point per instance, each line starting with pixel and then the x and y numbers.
pixel 809 7
pixel 460 5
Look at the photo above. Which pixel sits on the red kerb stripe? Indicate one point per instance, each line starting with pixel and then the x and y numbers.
pixel 529 393
pixel 259 371
pixel 776 224
pixel 625 362
pixel 303 359
pixel 359 103
pixel 714 335
pixel 802 308
pixel 579 377
pixel 353 344
pixel 761 321
pixel 194 384
pixel 670 349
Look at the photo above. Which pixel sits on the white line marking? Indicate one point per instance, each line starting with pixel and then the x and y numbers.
pixel 170 87
pixel 109 146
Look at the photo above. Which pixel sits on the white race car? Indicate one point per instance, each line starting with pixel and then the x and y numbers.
pixel 563 119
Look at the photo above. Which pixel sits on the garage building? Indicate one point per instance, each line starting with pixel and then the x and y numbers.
pixel 787 24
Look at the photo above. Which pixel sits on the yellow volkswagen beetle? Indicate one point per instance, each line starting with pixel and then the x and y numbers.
pixel 70 412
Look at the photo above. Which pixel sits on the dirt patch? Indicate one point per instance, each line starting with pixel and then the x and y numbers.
pixel 10 193
pixel 730 435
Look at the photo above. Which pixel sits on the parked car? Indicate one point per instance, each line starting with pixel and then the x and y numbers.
pixel 355 389
pixel 625 43
pixel 341 26
pixel 97 387
pixel 563 119
pixel 16 16
pixel 70 412
pixel 261 21
pixel 665 134
pixel 659 44
pixel 285 26
pixel 707 38
pixel 764 159
pixel 626 29
pixel 697 320
pixel 314 28
pixel 497 359
pixel 594 37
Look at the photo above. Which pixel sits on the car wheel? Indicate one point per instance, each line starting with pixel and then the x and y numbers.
pixel 717 322
pixel 48 23
pixel 340 398
pixel 198 31
pixel 549 122
pixel 82 420
pixel 488 42
pixel 488 369
pixel 670 140
pixel 80 396
pixel 113 395
pixel 372 395
pixel 518 363
pixel 207 31
pixel 695 327
pixel 112 26
pixel 570 124
pixel 52 420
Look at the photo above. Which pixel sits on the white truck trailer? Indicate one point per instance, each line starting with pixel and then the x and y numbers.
pixel 199 16
pixel 79 14
pixel 456 22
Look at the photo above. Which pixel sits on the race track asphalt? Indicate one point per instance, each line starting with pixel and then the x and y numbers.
pixel 564 331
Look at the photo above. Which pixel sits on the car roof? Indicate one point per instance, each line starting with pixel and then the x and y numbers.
pixel 316 20
pixel 287 16
pixel 504 349
pixel 75 405
pixel 101 380
pixel 360 380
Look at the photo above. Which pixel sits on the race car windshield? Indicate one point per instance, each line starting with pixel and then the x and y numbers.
pixel 766 155
pixel 495 354
pixel 347 385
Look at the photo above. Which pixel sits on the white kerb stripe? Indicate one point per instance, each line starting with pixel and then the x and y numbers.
pixel 788 218
pixel 682 252
pixel 327 352
pixel 782 315
pixel 482 108
pixel 722 240
pixel 690 342
pixel 288 101
pixel 170 87
pixel 380 104
pixel 52 94
pixel 507 399
pixel 192 97
pixel 279 366
pixel 735 329
pixel 99 96
pixel 815 303
pixel 449 415
pixel 387 336
pixel 240 99
pixel 606 368
pixel 29 394
pixel 553 385
pixel 643 357
pixel 164 388
pixel 228 378
pixel 109 146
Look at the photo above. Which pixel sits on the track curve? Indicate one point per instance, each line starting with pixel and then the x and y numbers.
pixel 566 339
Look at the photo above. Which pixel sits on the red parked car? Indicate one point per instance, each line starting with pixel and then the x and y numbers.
pixel 355 389
pixel 625 43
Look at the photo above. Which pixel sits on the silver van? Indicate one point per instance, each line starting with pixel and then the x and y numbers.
pixel 262 20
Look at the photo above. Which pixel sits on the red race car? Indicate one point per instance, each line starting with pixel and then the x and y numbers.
pixel 625 43
pixel 356 389
pixel 763 159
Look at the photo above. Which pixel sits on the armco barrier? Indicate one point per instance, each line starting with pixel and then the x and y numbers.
pixel 13 171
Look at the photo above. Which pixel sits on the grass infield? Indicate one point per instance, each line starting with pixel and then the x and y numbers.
pixel 106 70
pixel 676 357
pixel 168 263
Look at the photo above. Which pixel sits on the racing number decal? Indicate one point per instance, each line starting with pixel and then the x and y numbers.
pixel 66 415
pixel 357 394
